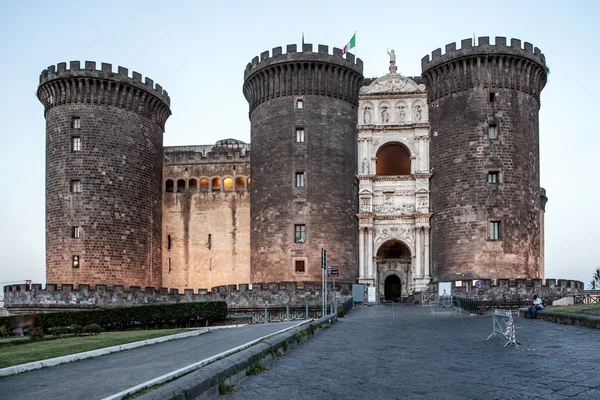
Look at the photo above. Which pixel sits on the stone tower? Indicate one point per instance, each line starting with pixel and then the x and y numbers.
pixel 303 115
pixel 104 149
pixel 484 152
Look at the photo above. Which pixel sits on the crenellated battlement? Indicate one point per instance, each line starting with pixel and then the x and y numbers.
pixel 306 72
pixel 34 298
pixel 61 85
pixel 224 151
pixel 306 55
pixel 105 72
pixel 467 49
pixel 515 66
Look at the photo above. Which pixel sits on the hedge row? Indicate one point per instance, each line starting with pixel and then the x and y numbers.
pixel 177 314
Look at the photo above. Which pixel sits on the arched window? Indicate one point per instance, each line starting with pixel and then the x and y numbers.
pixel 193 185
pixel 393 159
pixel 169 186
pixel 228 184
pixel 216 184
pixel 180 186
pixel 239 184
pixel 204 185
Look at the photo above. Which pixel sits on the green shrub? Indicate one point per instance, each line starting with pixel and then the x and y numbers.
pixel 255 369
pixel 93 329
pixel 57 331
pixel 36 333
pixel 76 329
pixel 169 315
pixel 5 331
pixel 224 388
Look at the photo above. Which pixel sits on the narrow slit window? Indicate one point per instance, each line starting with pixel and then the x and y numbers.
pixel 493 177
pixel 75 232
pixel 299 135
pixel 169 242
pixel 209 241
pixel 493 131
pixel 76 143
pixel 75 186
pixel 169 265
pixel 299 233
pixel 494 230
pixel 299 179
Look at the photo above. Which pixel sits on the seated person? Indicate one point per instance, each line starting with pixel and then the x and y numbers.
pixel 536 304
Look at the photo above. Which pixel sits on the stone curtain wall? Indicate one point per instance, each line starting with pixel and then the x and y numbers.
pixel 209 230
pixel 119 165
pixel 469 90
pixel 20 299
pixel 327 205
pixel 517 289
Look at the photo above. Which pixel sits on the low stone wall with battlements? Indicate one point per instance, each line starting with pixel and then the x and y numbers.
pixel 515 289
pixel 25 299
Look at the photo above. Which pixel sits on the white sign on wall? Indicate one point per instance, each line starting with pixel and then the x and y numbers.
pixel 371 296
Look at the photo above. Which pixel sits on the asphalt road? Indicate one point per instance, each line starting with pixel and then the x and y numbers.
pixel 371 355
pixel 97 378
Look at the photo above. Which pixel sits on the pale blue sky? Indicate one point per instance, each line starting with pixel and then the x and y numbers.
pixel 198 50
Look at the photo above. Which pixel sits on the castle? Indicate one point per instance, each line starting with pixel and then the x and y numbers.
pixel 402 180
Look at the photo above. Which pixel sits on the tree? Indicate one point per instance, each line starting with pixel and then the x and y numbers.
pixel 595 283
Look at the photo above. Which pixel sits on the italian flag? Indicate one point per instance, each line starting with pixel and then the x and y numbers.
pixel 351 44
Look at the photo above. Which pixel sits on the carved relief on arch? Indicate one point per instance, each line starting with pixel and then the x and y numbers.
pixel 400 233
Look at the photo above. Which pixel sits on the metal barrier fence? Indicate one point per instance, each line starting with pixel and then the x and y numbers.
pixel 586 299
pixel 276 314
pixel 346 307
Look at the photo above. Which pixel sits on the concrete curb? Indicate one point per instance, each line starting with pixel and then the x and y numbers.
pixel 588 321
pixel 51 362
pixel 204 382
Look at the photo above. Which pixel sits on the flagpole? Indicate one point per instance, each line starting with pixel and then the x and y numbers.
pixel 355 48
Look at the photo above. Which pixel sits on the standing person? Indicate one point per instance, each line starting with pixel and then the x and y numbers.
pixel 536 304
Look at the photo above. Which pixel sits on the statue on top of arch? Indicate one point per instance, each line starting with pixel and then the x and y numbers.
pixel 393 67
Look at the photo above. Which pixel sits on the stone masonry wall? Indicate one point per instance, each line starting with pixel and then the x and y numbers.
pixel 326 205
pixel 20 299
pixel 471 92
pixel 120 124
pixel 209 231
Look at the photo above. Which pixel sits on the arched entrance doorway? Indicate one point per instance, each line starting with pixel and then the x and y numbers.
pixel 392 288
pixel 394 275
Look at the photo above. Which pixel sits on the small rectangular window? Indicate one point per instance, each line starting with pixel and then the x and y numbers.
pixel 76 143
pixel 300 266
pixel 75 263
pixel 75 186
pixel 169 242
pixel 75 232
pixel 493 131
pixel 494 230
pixel 493 177
pixel 299 179
pixel 192 156
pixel 492 97
pixel 300 104
pixel 300 135
pixel 76 123
pixel 299 233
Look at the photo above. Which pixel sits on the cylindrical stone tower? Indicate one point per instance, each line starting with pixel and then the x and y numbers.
pixel 104 146
pixel 484 153
pixel 303 114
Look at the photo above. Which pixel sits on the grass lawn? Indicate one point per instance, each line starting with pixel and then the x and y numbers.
pixel 585 309
pixel 35 351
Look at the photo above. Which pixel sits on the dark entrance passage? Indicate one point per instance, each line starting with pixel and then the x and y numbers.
pixel 392 288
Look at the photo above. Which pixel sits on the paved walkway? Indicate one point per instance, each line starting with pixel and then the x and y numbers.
pixel 100 377
pixel 417 356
